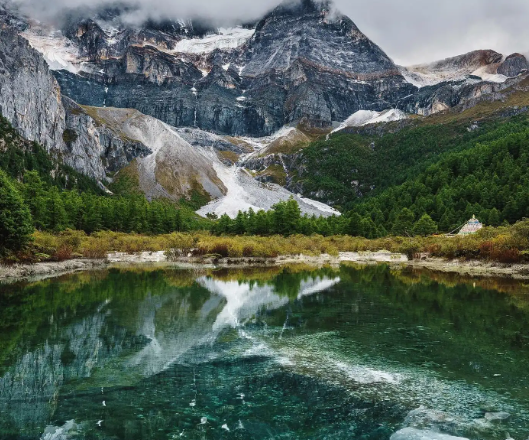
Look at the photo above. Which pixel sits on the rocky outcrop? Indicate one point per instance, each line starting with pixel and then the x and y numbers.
pixel 513 65
pixel 167 166
pixel 300 63
pixel 108 151
pixel 30 98
pixel 465 94
pixel 320 64
pixel 482 64
pixel 199 138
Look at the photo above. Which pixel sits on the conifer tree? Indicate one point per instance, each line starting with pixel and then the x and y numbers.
pixel 34 196
pixel 425 226
pixel 404 223
pixel 354 227
pixel 56 219
pixel 16 224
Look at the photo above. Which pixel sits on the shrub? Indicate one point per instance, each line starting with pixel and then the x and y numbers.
pixel 221 249
pixel 248 251
pixel 96 248
pixel 64 252
pixel 507 256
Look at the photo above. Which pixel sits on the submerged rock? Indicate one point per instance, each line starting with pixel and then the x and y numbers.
pixel 417 434
pixel 497 416
pixel 65 432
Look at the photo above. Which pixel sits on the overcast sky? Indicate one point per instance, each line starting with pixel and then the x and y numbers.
pixel 409 31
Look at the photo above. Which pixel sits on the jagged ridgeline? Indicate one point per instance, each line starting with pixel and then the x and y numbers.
pixel 300 104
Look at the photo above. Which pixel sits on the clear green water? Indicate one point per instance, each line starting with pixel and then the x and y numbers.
pixel 349 353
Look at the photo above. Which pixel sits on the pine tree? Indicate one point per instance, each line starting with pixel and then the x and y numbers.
pixel 223 225
pixel 34 197
pixel 292 216
pixel 16 224
pixel 425 226
pixel 368 228
pixel 262 223
pixel 494 218
pixel 239 226
pixel 404 223
pixel 56 219
pixel 355 227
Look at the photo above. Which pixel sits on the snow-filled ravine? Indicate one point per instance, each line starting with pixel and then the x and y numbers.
pixel 244 192
pixel 224 39
pixel 366 117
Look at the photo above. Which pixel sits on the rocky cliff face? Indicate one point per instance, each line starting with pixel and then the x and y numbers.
pixel 167 166
pixel 31 100
pixel 109 151
pixel 322 66
pixel 300 62
pixel 30 97
pixel 513 65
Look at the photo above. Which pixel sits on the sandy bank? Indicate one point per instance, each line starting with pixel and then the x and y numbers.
pixel 49 269
pixel 469 268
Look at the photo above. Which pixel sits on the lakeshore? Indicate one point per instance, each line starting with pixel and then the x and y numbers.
pixel 472 268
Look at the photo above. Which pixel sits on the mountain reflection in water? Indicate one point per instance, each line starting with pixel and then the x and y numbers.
pixel 263 353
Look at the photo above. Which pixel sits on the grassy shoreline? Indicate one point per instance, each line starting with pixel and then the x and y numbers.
pixel 507 245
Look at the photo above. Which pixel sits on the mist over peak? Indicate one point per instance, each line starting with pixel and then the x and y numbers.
pixel 137 12
pixel 409 31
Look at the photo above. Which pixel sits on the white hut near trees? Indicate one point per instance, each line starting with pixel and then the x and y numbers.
pixel 471 227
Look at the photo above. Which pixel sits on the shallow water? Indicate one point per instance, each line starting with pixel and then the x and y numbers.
pixel 349 353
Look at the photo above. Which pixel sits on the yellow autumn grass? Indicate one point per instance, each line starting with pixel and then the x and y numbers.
pixel 504 244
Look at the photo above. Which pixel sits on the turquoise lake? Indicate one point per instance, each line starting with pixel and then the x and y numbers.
pixel 283 353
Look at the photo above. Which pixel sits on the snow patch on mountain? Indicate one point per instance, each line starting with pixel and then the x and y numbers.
pixel 421 76
pixel 226 39
pixel 366 117
pixel 485 75
pixel 481 63
pixel 58 51
pixel 262 142
pixel 244 192
pixel 186 159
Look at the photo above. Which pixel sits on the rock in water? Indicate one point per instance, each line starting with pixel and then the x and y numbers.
pixel 417 434
pixel 497 416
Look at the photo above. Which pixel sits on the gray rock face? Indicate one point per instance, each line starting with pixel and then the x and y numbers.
pixel 31 100
pixel 108 152
pixel 470 61
pixel 301 63
pixel 30 97
pixel 199 138
pixel 513 65
pixel 324 67
pixel 433 99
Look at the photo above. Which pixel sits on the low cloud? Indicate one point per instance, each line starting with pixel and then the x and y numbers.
pixel 217 11
pixel 410 31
